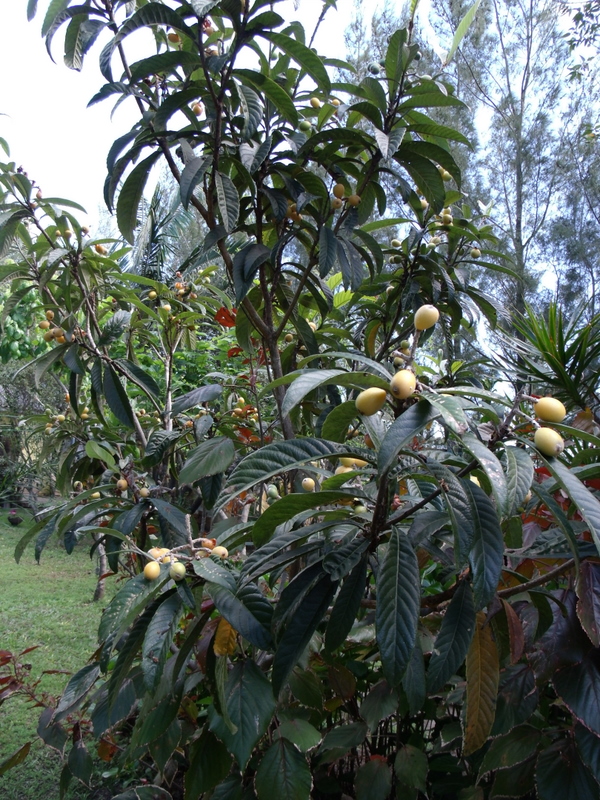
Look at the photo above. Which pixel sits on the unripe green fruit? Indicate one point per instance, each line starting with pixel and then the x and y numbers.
pixel 398 362
pixel 404 344
pixel 426 317
pixel 389 289
pixel 308 485
pixel 396 243
pixel 177 571
pixel 403 384
pixel 152 295
pixel 360 509
pixel 374 68
pixel 475 252
pixel 371 401
pixel 273 492
pixel 550 409
pixel 305 126
pixel 549 442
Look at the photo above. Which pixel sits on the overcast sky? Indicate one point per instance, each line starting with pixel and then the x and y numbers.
pixel 60 142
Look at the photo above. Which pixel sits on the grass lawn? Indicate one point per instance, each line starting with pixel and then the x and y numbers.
pixel 48 605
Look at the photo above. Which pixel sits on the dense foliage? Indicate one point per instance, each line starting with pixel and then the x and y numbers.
pixel 345 566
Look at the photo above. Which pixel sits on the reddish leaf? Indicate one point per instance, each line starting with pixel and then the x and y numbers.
pixel 28 650
pixel 483 673
pixel 226 317
pixel 234 351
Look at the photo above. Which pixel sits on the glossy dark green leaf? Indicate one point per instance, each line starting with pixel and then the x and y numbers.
pixel 287 507
pixel 131 194
pixel 139 376
pixel 54 9
pixel 209 458
pixel 80 763
pixel 402 431
pixel 228 201
pixel 15 759
pixel 335 427
pixel 588 603
pixel 519 476
pixel 209 764
pixel 413 680
pixel 588 746
pixel 453 640
pixel 327 251
pixel 191 176
pixel 239 616
pixel 107 714
pixel 300 732
pixel 283 772
pixel 397 613
pixel 203 394
pixel 379 704
pixel 426 175
pixel 76 691
pixel 250 705
pixel 511 749
pixel 487 550
pixel 341 739
pixel 373 780
pixel 346 606
pixel 300 628
pixel 245 266
pixel 116 397
pixel 272 91
pixel 302 55
pixel 158 639
pixel 561 774
pixel 159 444
pixel 411 767
pixel 9 225
pixel 578 685
pixel 125 605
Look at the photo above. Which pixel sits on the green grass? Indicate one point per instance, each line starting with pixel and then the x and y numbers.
pixel 48 605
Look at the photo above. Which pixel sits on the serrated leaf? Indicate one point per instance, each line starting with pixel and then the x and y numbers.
pixel 252 110
pixel 239 616
pixel 209 458
pixel 116 397
pixel 519 476
pixel 191 176
pixel 397 612
pixel 300 628
pixel 210 763
pixel 373 780
pixel 159 444
pixel 245 266
pixel 487 549
pixel 346 606
pixel 588 746
pixel 425 175
pixel 124 605
pixel 228 201
pixel 453 640
pixel 402 431
pixel 450 410
pixel 15 759
pixel 76 691
pixel 511 749
pixel 287 507
pixel 578 685
pixel 272 91
pixel 275 458
pixel 115 327
pixel 250 706
pixel 561 775
pixel 492 468
pixel 411 767
pixel 158 640
pixel 379 704
pixel 203 394
pixel 586 503
pixel 588 600
pixel 131 194
pixel 302 55
pixel 335 427
pixel 327 251
pixel 300 732
pixel 283 772
pixel 483 673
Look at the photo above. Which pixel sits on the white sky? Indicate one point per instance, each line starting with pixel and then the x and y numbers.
pixel 60 142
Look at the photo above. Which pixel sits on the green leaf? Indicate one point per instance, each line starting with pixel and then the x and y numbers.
pixel 77 689
pixel 117 398
pixel 138 376
pixel 487 550
pixel 483 673
pixel 272 91
pixel 300 733
pixel 95 450
pixel 252 109
pixel 80 763
pixel 131 194
pixel 275 458
pixel 9 229
pixel 290 505
pixel 31 9
pixel 588 602
pixel 511 749
pixel 209 764
pixel 341 739
pixel 302 55
pixel 300 628
pixel 209 458
pixel 203 394
pixel 561 775
pixel 578 685
pixel 585 502
pixel 461 31
pixel 308 381
pixel 519 477
pixel 245 266
pixel 425 175
pixel 492 468
pixel 15 759
pixel 379 704
pixel 335 427
pixel 398 603
pixel 450 410
pixel 283 772
pixel 239 617
pixel 158 639
pixel 327 251
pixel 250 705
pixel 159 444
pixel 346 606
pixel 373 781
pixel 191 176
pixel 402 431
pixel 54 9
pixel 588 746
pixel 453 640
pixel 212 572
pixel 125 605
pixel 228 201
pixel 411 767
